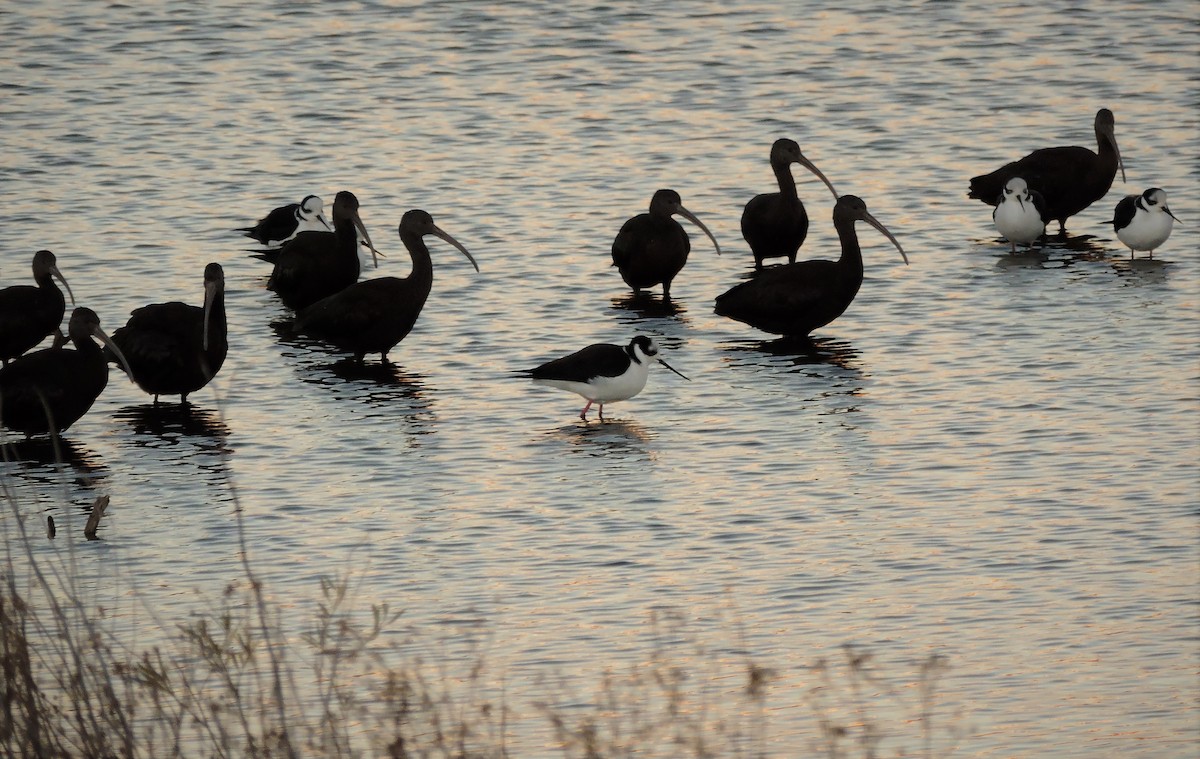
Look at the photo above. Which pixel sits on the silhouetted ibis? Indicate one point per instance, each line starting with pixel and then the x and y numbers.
pixel 1143 222
pixel 1069 178
pixel 27 313
pixel 48 390
pixel 794 299
pixel 775 223
pixel 315 265
pixel 602 373
pixel 1018 215
pixel 174 348
pixel 285 222
pixel 652 247
pixel 373 315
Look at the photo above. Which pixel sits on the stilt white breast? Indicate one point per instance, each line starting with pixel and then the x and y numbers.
pixel 1143 222
pixel 602 373
pixel 1018 213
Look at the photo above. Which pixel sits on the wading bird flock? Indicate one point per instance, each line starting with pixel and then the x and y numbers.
pixel 176 349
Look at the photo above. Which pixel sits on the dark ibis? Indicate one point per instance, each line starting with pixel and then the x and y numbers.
pixel 316 265
pixel 796 298
pixel 174 348
pixel 285 222
pixel 49 390
pixel 1069 178
pixel 1143 222
pixel 1018 214
pixel 602 373
pixel 374 315
pixel 28 313
pixel 652 247
pixel 775 223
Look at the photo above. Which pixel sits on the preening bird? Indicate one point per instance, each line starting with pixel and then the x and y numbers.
pixel 1018 213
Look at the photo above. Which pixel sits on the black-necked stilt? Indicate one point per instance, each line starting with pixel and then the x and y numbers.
pixel 775 223
pixel 285 222
pixel 1069 178
pixel 28 313
pixel 1018 213
pixel 1143 222
pixel 173 348
pixel 374 315
pixel 48 390
pixel 602 373
pixel 652 248
pixel 316 265
pixel 794 299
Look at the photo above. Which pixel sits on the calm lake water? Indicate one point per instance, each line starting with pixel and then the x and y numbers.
pixel 992 458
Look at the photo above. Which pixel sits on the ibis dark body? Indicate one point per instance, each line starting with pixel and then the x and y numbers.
pixel 315 265
pixel 29 313
pixel 796 298
pixel 651 248
pixel 1069 178
pixel 175 348
pixel 374 315
pixel 60 382
pixel 775 224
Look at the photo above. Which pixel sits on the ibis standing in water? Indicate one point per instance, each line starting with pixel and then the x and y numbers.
pixel 796 298
pixel 602 373
pixel 28 313
pixel 374 315
pixel 174 348
pixel 775 223
pixel 1069 178
pixel 1018 214
pixel 285 222
pixel 47 391
pixel 315 265
pixel 1143 222
pixel 652 247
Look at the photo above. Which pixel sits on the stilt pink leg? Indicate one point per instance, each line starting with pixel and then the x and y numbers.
pixel 583 414
pixel 602 412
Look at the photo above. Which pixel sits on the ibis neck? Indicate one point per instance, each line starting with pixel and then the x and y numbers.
pixel 851 251
pixel 787 183
pixel 422 270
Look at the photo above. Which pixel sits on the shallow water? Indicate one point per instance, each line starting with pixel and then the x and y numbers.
pixel 991 457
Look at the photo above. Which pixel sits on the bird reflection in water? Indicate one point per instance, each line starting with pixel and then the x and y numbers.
pixel 43 458
pixel 834 364
pixel 174 424
pixel 613 440
pixel 648 306
pixel 806 351
pixel 1141 271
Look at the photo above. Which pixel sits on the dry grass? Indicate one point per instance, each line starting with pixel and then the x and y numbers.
pixel 232 682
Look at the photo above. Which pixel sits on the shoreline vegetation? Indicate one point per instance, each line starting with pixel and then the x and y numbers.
pixel 238 680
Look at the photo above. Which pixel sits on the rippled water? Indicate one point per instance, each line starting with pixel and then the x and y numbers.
pixel 992 457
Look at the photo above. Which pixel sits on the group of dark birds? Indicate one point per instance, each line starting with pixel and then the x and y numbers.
pixel 176 349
